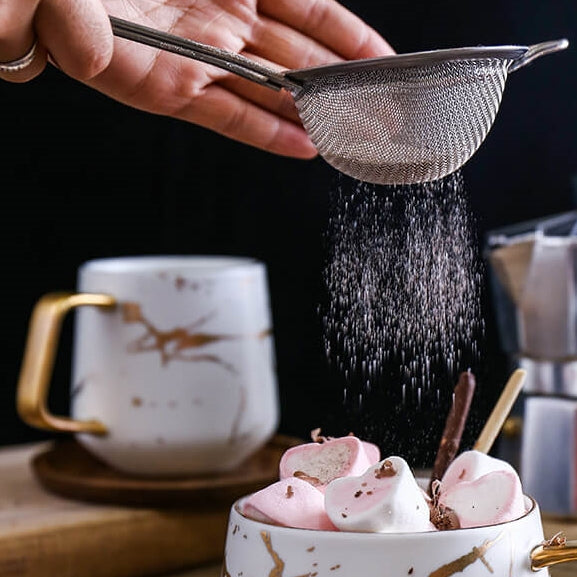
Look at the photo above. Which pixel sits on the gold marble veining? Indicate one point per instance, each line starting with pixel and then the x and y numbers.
pixel 461 563
pixel 278 567
pixel 452 568
pixel 179 343
pixel 279 564
pixel 456 566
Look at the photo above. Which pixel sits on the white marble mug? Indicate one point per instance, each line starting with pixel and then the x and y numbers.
pixel 513 549
pixel 173 363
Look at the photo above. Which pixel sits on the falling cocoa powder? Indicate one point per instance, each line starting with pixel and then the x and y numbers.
pixel 403 314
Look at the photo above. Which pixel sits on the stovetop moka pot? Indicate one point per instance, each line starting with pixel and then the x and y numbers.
pixel 534 278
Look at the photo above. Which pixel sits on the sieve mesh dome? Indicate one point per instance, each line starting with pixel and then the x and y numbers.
pixel 398 125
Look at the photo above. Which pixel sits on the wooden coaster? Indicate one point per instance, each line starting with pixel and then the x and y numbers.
pixel 69 470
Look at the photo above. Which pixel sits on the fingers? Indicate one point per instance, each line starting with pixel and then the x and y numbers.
pixel 22 58
pixel 280 103
pixel 329 23
pixel 234 117
pixel 76 34
pixel 288 47
pixel 260 103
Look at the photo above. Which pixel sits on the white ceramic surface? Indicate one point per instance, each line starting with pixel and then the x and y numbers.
pixel 260 550
pixel 182 371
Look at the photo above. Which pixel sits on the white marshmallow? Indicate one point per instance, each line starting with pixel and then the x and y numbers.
pixel 384 499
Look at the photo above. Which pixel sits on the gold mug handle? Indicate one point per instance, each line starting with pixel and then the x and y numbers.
pixel 548 555
pixel 38 361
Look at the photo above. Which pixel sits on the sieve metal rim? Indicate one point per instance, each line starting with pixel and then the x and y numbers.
pixel 410 59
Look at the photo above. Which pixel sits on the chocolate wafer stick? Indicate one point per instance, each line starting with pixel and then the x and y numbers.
pixel 454 426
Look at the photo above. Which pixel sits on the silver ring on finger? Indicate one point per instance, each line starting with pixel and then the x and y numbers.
pixel 20 63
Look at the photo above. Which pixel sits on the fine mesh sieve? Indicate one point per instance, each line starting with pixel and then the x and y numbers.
pixel 398 119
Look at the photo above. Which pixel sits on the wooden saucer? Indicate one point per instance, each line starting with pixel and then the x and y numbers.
pixel 69 470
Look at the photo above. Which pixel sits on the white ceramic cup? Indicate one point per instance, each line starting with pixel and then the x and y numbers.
pixel 513 549
pixel 173 363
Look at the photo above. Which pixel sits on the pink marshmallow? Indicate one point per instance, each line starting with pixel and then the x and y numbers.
pixel 290 502
pixel 320 463
pixel 384 499
pixel 372 451
pixel 496 497
pixel 471 465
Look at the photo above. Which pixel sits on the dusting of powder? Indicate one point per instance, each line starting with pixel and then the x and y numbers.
pixel 403 313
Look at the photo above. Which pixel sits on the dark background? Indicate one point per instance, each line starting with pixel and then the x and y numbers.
pixel 83 177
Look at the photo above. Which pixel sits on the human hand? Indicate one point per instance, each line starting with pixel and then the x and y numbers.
pixel 75 35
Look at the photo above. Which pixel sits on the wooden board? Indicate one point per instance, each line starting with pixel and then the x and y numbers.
pixel 67 469
pixel 44 534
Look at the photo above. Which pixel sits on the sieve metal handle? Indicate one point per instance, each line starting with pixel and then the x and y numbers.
pixel 229 61
pixel 537 50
